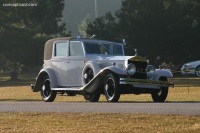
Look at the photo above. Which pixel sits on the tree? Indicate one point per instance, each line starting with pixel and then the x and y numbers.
pixel 103 27
pixel 12 67
pixel 166 28
pixel 84 25
pixel 24 30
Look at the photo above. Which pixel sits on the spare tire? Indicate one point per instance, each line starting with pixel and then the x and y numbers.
pixel 89 71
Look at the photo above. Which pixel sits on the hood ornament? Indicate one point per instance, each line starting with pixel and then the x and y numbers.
pixel 135 52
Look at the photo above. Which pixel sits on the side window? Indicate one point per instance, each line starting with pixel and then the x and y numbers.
pixel 60 49
pixel 76 48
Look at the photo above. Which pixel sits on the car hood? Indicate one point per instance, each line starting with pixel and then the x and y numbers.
pixel 193 63
pixel 116 58
pixel 119 61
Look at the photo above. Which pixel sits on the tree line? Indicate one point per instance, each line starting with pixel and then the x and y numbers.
pixel 24 30
pixel 169 29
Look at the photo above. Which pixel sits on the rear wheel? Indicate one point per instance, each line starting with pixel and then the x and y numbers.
pixel 71 93
pixel 160 95
pixel 88 75
pixel 47 94
pixel 92 98
pixel 111 88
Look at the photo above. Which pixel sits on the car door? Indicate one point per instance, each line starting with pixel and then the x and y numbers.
pixel 58 61
pixel 75 63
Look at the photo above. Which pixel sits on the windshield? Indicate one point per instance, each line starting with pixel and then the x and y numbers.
pixel 103 48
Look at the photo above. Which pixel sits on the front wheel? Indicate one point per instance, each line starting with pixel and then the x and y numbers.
pixel 111 88
pixel 47 94
pixel 161 94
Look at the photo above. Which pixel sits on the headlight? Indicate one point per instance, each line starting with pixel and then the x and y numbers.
pixel 131 69
pixel 150 70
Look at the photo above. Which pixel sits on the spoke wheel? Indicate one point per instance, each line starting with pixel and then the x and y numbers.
pixel 88 75
pixel 47 94
pixel 111 88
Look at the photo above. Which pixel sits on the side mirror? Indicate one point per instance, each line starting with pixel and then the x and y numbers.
pixel 136 52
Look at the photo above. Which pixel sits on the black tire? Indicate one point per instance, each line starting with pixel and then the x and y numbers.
pixel 92 98
pixel 88 74
pixel 47 94
pixel 89 71
pixel 197 71
pixel 160 95
pixel 71 94
pixel 111 88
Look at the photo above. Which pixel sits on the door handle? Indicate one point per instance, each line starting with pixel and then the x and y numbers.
pixel 67 61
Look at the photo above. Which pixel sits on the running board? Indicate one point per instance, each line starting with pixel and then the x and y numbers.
pixel 67 89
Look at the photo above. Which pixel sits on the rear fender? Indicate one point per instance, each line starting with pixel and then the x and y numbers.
pixel 39 80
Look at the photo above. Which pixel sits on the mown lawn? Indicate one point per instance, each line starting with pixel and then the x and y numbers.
pixel 185 90
pixel 99 123
pixel 96 122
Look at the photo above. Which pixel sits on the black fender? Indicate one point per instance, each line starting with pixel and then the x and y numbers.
pixel 39 80
pixel 98 81
pixel 116 70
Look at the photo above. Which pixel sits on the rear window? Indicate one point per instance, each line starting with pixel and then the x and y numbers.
pixel 60 49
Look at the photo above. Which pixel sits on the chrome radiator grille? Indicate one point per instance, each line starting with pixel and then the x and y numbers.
pixel 140 69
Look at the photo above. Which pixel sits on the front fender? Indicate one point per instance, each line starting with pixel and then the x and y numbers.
pixel 162 73
pixel 98 80
pixel 39 80
pixel 116 70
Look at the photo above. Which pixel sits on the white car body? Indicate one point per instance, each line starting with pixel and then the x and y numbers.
pixel 191 68
pixel 91 67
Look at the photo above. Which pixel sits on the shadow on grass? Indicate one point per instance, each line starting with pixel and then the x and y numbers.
pixel 37 100
pixel 159 102
pixel 17 100
pixel 23 80
pixel 14 83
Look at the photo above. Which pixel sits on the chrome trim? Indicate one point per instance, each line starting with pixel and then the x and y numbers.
pixel 145 82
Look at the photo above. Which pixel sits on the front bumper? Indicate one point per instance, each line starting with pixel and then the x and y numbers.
pixel 145 83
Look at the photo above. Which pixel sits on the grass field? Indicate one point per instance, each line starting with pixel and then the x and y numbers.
pixel 97 123
pixel 185 91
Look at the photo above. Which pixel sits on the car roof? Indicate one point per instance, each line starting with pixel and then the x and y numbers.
pixel 95 40
pixel 49 44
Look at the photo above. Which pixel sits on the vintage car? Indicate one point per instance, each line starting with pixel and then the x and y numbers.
pixel 191 68
pixel 92 67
